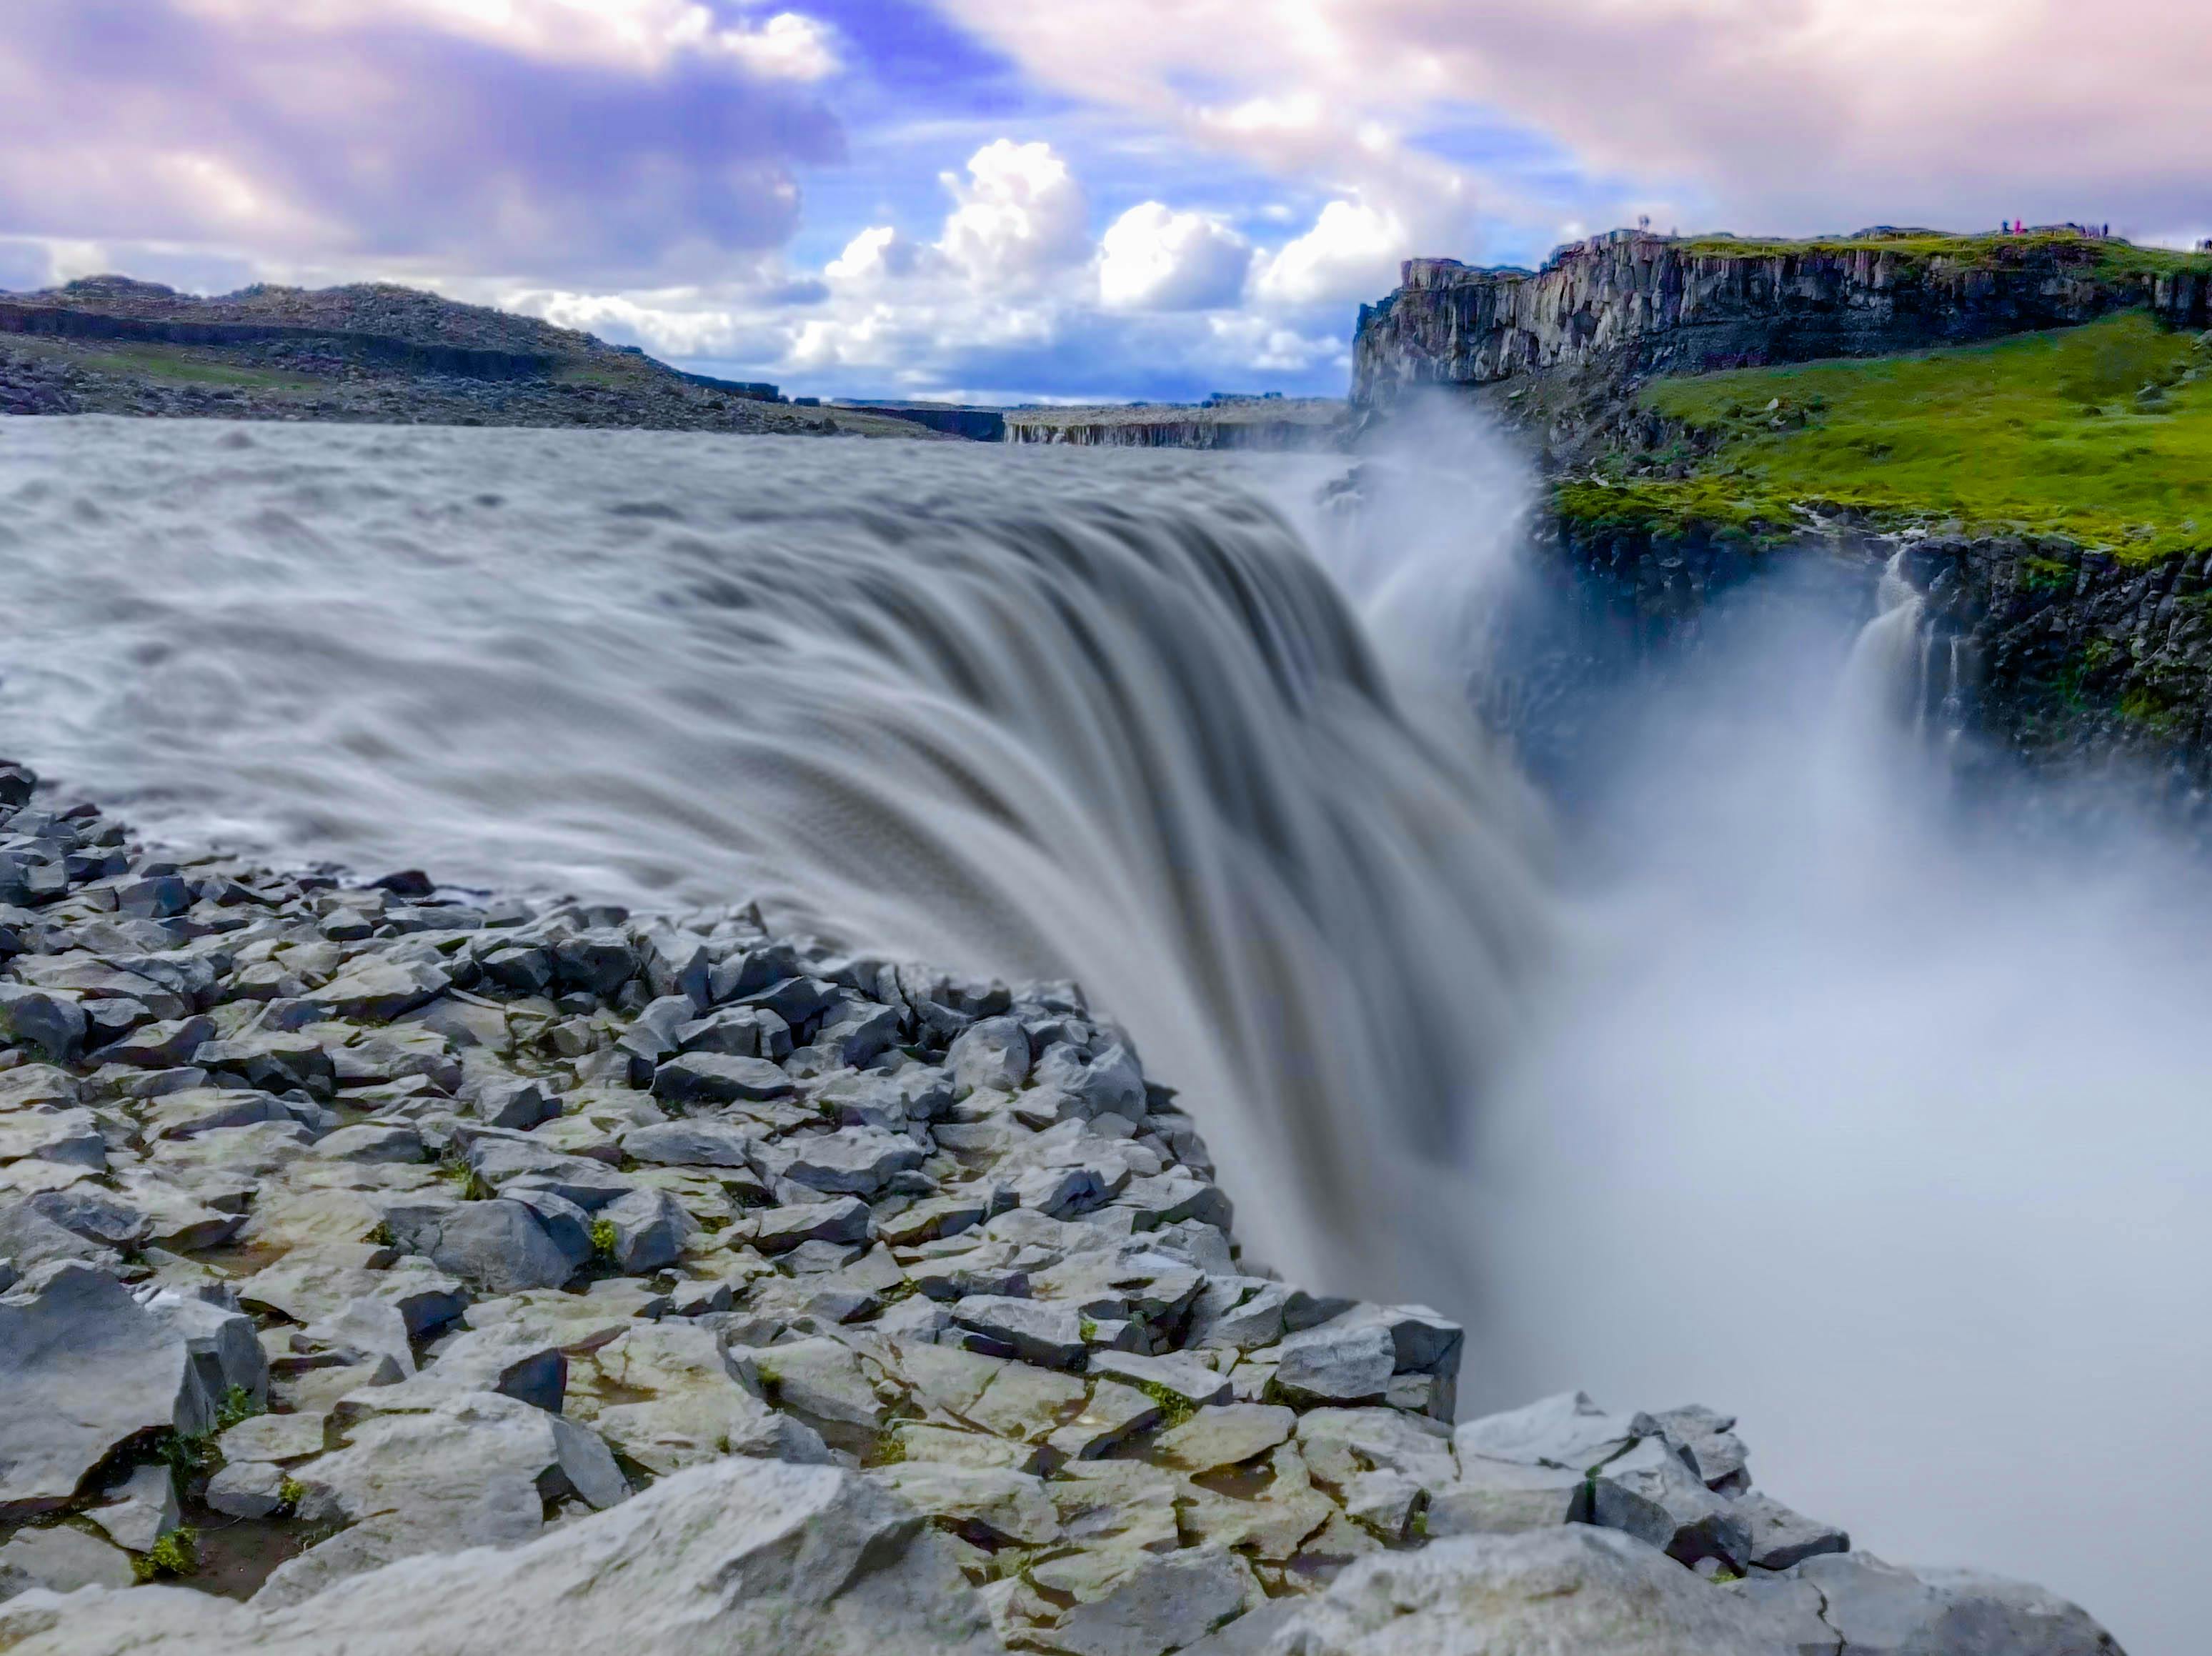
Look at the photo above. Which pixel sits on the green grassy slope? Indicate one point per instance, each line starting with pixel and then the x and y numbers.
pixel 2108 259
pixel 2102 434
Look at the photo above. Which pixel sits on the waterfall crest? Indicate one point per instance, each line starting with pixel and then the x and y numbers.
pixel 1096 716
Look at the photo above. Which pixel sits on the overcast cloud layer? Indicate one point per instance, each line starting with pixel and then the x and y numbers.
pixel 1091 197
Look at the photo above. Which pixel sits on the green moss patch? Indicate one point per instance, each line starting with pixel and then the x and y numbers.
pixel 2101 435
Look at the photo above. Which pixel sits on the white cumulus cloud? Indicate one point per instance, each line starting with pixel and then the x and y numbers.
pixel 1021 213
pixel 1351 253
pixel 1154 258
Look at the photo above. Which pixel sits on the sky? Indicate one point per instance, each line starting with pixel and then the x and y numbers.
pixel 1009 200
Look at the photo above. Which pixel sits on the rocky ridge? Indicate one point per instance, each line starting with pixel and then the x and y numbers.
pixel 1629 303
pixel 728 1289
pixel 370 353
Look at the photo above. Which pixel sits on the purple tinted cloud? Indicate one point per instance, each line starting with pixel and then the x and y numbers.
pixel 393 142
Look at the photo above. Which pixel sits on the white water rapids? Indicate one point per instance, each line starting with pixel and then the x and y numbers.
pixel 1756 1082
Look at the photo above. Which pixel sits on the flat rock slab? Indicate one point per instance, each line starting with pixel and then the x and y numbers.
pixel 742 1555
pixel 1226 1435
pixel 1573 1589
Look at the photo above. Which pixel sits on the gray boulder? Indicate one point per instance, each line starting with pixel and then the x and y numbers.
pixel 443 1471
pixel 1880 1609
pixel 1650 1493
pixel 1780 1538
pixel 994 1054
pixel 1164 1604
pixel 702 1143
pixel 1574 1589
pixel 1050 1336
pixel 500 1246
pixel 1567 1431
pixel 783 1229
pixel 717 1078
pixel 47 1019
pixel 61 1559
pixel 83 1368
pixel 1337 1363
pixel 851 1161
pixel 650 1228
pixel 745 1554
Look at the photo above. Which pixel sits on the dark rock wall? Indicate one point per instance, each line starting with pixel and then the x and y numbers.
pixel 1639 304
pixel 2055 655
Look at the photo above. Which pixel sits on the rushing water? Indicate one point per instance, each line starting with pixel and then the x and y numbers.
pixel 1061 715
pixel 1776 1089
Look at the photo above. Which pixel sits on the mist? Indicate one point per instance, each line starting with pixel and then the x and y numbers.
pixel 1864 1105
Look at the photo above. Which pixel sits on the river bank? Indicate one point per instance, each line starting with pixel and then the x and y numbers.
pixel 351 1223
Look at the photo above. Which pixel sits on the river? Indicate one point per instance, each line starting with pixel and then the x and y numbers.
pixel 1752 1075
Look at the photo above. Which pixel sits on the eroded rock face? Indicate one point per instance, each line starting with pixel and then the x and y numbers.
pixel 745 1555
pixel 1634 303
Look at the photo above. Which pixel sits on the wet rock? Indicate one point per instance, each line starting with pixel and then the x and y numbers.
pixel 376 991
pixel 469 1470
pixel 1113 1414
pixel 1185 1379
pixel 363 1330
pixel 139 1510
pixel 70 1137
pixel 514 1103
pixel 374 1142
pixel 993 1055
pixel 273 1061
pixel 513 1362
pixel 738 1032
pixel 682 1400
pixel 29 1238
pixel 694 1143
pixel 851 1161
pixel 1501 1497
pixel 159 1045
pixel 1707 1443
pixel 274 1438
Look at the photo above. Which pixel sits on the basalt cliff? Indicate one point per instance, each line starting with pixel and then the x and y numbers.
pixel 1629 304
pixel 2049 644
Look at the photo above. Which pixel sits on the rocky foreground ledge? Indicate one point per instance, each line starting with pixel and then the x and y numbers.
pixel 391 1270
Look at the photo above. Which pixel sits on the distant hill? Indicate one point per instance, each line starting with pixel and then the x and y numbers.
pixel 370 353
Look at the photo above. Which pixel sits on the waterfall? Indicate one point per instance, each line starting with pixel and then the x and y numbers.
pixel 1090 716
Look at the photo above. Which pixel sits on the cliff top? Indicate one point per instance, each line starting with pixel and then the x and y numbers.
pixel 2100 434
pixel 383 309
pixel 2061 247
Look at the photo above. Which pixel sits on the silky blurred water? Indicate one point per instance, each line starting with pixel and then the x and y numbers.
pixel 1761 1077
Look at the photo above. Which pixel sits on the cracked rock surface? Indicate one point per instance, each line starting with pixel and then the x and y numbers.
pixel 347 1228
